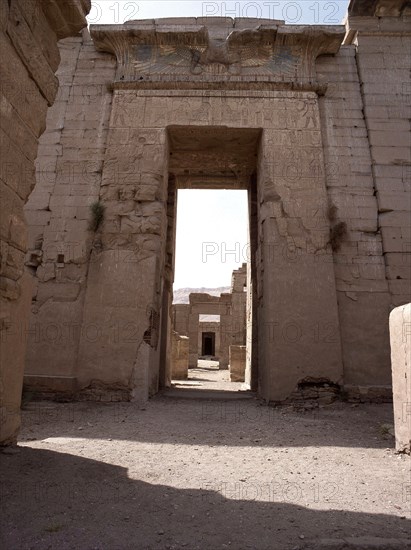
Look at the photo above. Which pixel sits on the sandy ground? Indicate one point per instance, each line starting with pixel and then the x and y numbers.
pixel 207 376
pixel 201 474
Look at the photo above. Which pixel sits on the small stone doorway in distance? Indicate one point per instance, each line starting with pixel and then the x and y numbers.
pixel 208 344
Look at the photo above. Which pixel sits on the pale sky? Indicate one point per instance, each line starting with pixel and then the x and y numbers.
pixel 212 237
pixel 212 226
pixel 319 12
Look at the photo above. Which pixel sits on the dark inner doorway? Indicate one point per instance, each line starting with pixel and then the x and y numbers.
pixel 208 344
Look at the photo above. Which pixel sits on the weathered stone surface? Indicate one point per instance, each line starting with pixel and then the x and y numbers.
pixel 29 31
pixel 237 363
pixel 14 330
pixel 215 47
pixel 400 334
pixel 179 356
pixel 303 132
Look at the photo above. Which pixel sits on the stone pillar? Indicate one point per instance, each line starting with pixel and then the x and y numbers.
pixel 125 280
pixel 238 305
pixel 237 363
pixel 179 356
pixel 249 328
pixel 400 334
pixel 193 330
pixel 29 31
pixel 299 333
pixel 225 334
pixel 180 314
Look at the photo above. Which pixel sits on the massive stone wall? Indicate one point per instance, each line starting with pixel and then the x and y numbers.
pixel 29 31
pixel 383 53
pixel 362 288
pixel 367 143
pixel 69 168
pixel 323 284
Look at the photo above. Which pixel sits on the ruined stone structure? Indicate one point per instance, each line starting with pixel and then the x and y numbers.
pixel 179 356
pixel 237 363
pixel 29 31
pixel 400 331
pixel 312 121
pixel 214 339
pixel 209 339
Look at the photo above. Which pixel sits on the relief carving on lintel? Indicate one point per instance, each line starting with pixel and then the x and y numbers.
pixel 158 54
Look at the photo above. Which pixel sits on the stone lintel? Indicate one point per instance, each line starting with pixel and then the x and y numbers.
pixel 211 51
pixel 198 298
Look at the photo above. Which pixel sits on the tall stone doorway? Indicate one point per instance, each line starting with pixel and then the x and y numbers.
pixel 194 104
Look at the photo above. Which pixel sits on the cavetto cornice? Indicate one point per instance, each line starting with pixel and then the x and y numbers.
pixel 207 52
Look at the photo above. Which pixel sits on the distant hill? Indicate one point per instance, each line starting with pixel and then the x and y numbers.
pixel 181 296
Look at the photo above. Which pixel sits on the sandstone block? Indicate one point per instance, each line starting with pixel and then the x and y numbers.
pixel 401 287
pixel 31 53
pixel 42 33
pixel 60 292
pixel 179 356
pixel 394 219
pixel 14 127
pixel 393 138
pixel 20 90
pixel 400 335
pixel 394 154
pixel 393 201
pixel 392 239
pixel 237 359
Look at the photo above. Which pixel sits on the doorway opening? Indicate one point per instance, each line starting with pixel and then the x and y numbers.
pixel 209 299
pixel 208 344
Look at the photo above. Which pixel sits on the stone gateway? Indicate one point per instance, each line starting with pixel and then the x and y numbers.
pixel 311 120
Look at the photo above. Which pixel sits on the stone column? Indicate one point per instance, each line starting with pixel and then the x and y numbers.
pixel 400 334
pixel 237 363
pixel 193 330
pixel 225 333
pixel 179 356
pixel 299 333
pixel 125 281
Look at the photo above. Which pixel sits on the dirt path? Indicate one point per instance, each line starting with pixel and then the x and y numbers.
pixel 208 376
pixel 198 474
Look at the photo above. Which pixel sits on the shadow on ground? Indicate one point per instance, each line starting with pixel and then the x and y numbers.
pixel 56 500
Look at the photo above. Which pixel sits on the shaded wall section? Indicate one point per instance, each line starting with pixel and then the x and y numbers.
pixel 30 57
